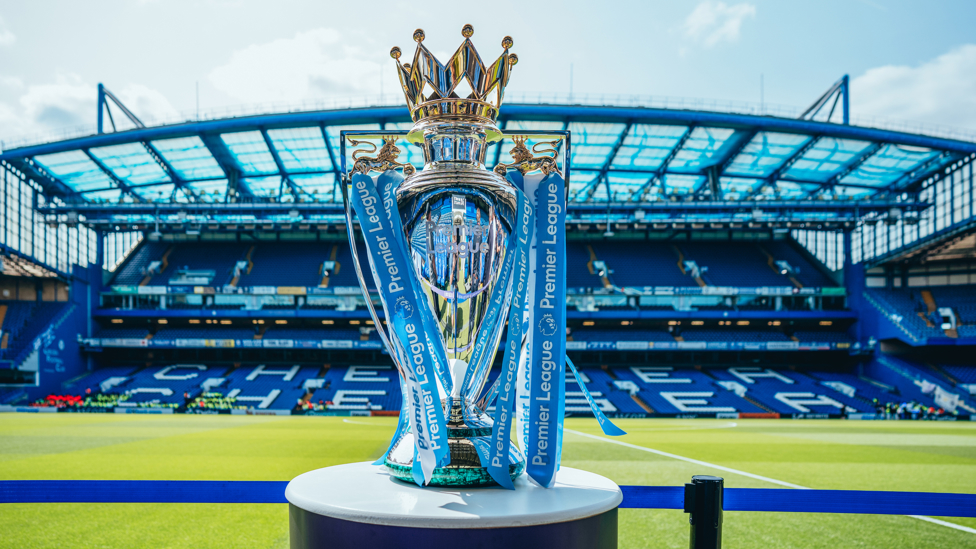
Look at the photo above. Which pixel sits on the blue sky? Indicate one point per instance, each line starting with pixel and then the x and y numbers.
pixel 911 61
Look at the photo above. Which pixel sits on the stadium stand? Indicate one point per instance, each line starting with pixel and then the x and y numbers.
pixel 201 257
pixel 590 334
pixel 918 307
pixel 668 390
pixel 962 374
pixel 790 392
pixel 732 335
pixel 268 387
pixel 578 273
pixel 360 388
pixel 288 264
pixel 655 264
pixel 24 321
pixel 808 273
pixel 133 271
pixel 113 332
pixel 822 336
pixel 640 390
pixel 909 306
pixel 166 386
pixel 733 265
pixel 142 337
pixel 205 333
pixel 962 300
pixel 315 333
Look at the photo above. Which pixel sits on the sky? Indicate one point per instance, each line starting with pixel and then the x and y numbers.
pixel 908 61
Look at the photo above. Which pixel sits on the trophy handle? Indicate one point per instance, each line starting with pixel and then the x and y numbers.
pixel 526 161
pixel 362 279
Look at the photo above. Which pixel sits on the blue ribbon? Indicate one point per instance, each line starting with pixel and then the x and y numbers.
pixel 386 184
pixel 483 343
pixel 517 262
pixel 547 380
pixel 401 423
pixel 608 427
pixel 405 309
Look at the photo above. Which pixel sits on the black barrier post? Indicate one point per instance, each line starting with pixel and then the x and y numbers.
pixel 703 499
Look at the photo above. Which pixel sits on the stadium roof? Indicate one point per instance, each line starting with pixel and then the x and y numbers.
pixel 620 155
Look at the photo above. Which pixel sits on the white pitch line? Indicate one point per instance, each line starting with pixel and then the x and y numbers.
pixel 689 460
pixel 745 474
pixel 944 523
pixel 729 425
pixel 363 423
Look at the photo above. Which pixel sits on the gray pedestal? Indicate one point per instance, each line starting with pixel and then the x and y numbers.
pixel 361 506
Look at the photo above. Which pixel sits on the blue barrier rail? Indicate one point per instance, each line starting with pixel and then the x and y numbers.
pixel 635 497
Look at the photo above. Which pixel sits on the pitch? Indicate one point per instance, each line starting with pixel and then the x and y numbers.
pixel 851 455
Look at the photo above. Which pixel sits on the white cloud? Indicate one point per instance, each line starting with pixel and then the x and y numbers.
pixel 147 103
pixel 713 22
pixel 11 82
pixel 315 64
pixel 70 102
pixel 940 91
pixel 6 37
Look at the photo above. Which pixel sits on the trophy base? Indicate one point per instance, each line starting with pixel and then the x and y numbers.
pixel 465 468
pixel 454 476
pixel 360 505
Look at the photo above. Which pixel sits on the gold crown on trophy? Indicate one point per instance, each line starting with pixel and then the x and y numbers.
pixel 431 87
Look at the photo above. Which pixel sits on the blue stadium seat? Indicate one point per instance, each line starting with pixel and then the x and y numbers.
pixel 602 334
pixel 733 264
pixel 809 274
pixel 361 388
pixel 218 257
pixel 133 270
pixel 752 336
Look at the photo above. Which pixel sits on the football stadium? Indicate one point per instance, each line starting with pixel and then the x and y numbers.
pixel 783 300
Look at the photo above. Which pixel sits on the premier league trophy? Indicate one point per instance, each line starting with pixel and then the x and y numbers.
pixel 464 260
pixel 455 251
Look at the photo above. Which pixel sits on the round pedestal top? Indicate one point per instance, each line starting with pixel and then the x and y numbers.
pixel 362 492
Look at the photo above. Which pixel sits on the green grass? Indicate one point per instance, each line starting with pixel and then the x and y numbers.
pixel 906 456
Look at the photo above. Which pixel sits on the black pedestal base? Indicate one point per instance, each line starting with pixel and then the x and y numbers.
pixel 313 531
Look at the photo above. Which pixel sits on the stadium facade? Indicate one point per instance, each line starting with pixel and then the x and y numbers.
pixel 720 263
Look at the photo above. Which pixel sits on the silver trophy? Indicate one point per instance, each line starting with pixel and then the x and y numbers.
pixel 456 217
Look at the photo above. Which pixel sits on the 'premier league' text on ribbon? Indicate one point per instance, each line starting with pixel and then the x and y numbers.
pixel 410 342
pixel 548 347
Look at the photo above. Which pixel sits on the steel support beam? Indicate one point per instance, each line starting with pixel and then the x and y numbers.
pixel 118 182
pixel 32 170
pixel 104 96
pixel 716 171
pixel 605 169
pixel 226 161
pixel 663 168
pixel 851 165
pixel 336 165
pixel 295 190
pixel 909 181
pixel 170 172
pixel 777 174
pixel 839 89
